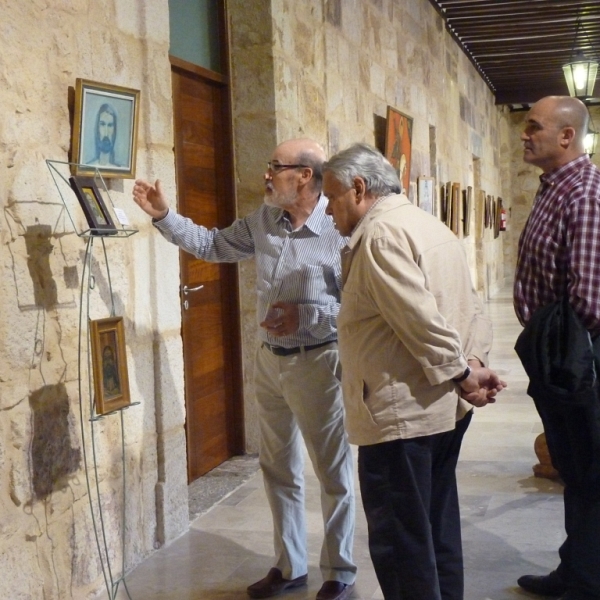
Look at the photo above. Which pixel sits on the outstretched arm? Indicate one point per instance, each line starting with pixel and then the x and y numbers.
pixel 150 198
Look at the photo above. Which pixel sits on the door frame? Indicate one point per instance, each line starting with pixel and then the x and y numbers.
pixel 226 210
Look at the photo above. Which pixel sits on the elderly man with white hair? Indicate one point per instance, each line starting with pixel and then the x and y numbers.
pixel 413 344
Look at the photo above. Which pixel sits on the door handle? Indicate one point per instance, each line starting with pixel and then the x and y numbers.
pixel 187 290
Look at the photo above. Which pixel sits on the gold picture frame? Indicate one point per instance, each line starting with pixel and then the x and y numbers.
pixel 105 130
pixel 455 222
pixel 109 363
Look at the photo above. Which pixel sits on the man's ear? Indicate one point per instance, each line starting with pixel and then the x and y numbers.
pixel 567 135
pixel 307 174
pixel 359 187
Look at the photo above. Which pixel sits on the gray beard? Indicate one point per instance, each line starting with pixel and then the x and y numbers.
pixel 279 200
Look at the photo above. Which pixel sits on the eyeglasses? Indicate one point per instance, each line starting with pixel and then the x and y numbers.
pixel 275 167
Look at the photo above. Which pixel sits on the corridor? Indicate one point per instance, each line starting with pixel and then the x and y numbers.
pixel 512 521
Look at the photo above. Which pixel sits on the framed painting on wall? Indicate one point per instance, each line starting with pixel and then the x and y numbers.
pixel 412 193
pixel 497 217
pixel 447 191
pixel 94 208
pixel 398 144
pixel 480 214
pixel 467 209
pixel 456 209
pixel 426 195
pixel 488 211
pixel 105 126
pixel 109 362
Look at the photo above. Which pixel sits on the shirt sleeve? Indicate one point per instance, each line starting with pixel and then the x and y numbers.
pixel 319 320
pixel 231 244
pixel 583 242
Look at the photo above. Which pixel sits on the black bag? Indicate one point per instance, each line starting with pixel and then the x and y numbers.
pixel 558 355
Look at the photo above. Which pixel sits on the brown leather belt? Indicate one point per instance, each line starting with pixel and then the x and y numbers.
pixel 281 351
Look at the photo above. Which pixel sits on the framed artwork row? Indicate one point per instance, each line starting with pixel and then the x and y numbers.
pixel 455 206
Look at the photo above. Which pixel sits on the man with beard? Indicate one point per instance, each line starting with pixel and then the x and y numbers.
pixel 298 394
pixel 105 136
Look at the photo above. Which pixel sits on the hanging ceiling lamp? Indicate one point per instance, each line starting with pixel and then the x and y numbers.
pixel 580 74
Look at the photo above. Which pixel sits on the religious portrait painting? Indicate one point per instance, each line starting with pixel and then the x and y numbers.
pixel 105 126
pixel 109 361
pixel 94 208
pixel 398 143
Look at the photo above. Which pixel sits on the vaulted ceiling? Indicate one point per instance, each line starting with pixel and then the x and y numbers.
pixel 520 46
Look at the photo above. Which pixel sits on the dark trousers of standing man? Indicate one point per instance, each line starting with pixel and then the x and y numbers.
pixel 573 436
pixel 410 498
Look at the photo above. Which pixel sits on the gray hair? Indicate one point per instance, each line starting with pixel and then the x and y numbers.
pixel 366 162
pixel 315 162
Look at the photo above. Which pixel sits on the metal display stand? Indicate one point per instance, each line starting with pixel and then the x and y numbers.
pixel 60 172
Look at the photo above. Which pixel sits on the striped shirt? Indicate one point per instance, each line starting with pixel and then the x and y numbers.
pixel 299 266
pixel 559 248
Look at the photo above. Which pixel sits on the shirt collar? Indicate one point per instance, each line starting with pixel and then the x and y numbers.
pixel 317 218
pixel 570 167
pixel 386 204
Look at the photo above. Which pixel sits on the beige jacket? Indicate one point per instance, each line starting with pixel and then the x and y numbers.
pixel 409 320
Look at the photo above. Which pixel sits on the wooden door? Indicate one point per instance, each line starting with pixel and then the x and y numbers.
pixel 209 293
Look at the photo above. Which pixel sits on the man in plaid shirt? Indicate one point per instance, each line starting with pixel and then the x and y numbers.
pixel 559 254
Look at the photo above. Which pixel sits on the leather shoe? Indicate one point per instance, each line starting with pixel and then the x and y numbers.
pixel 274 584
pixel 543 585
pixel 335 590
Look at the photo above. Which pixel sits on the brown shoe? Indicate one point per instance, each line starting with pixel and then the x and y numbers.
pixel 274 584
pixel 335 590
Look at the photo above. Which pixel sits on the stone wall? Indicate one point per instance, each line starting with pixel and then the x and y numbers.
pixel 255 135
pixel 338 65
pixel 321 68
pixel 47 541
pixel 328 69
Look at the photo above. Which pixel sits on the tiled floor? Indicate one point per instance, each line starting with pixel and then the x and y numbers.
pixel 512 521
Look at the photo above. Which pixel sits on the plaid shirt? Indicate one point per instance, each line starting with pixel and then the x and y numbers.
pixel 559 248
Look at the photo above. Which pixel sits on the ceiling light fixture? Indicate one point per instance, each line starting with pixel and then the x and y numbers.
pixel 581 76
pixel 580 72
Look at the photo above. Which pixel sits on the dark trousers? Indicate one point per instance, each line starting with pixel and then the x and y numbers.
pixel 573 436
pixel 410 498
